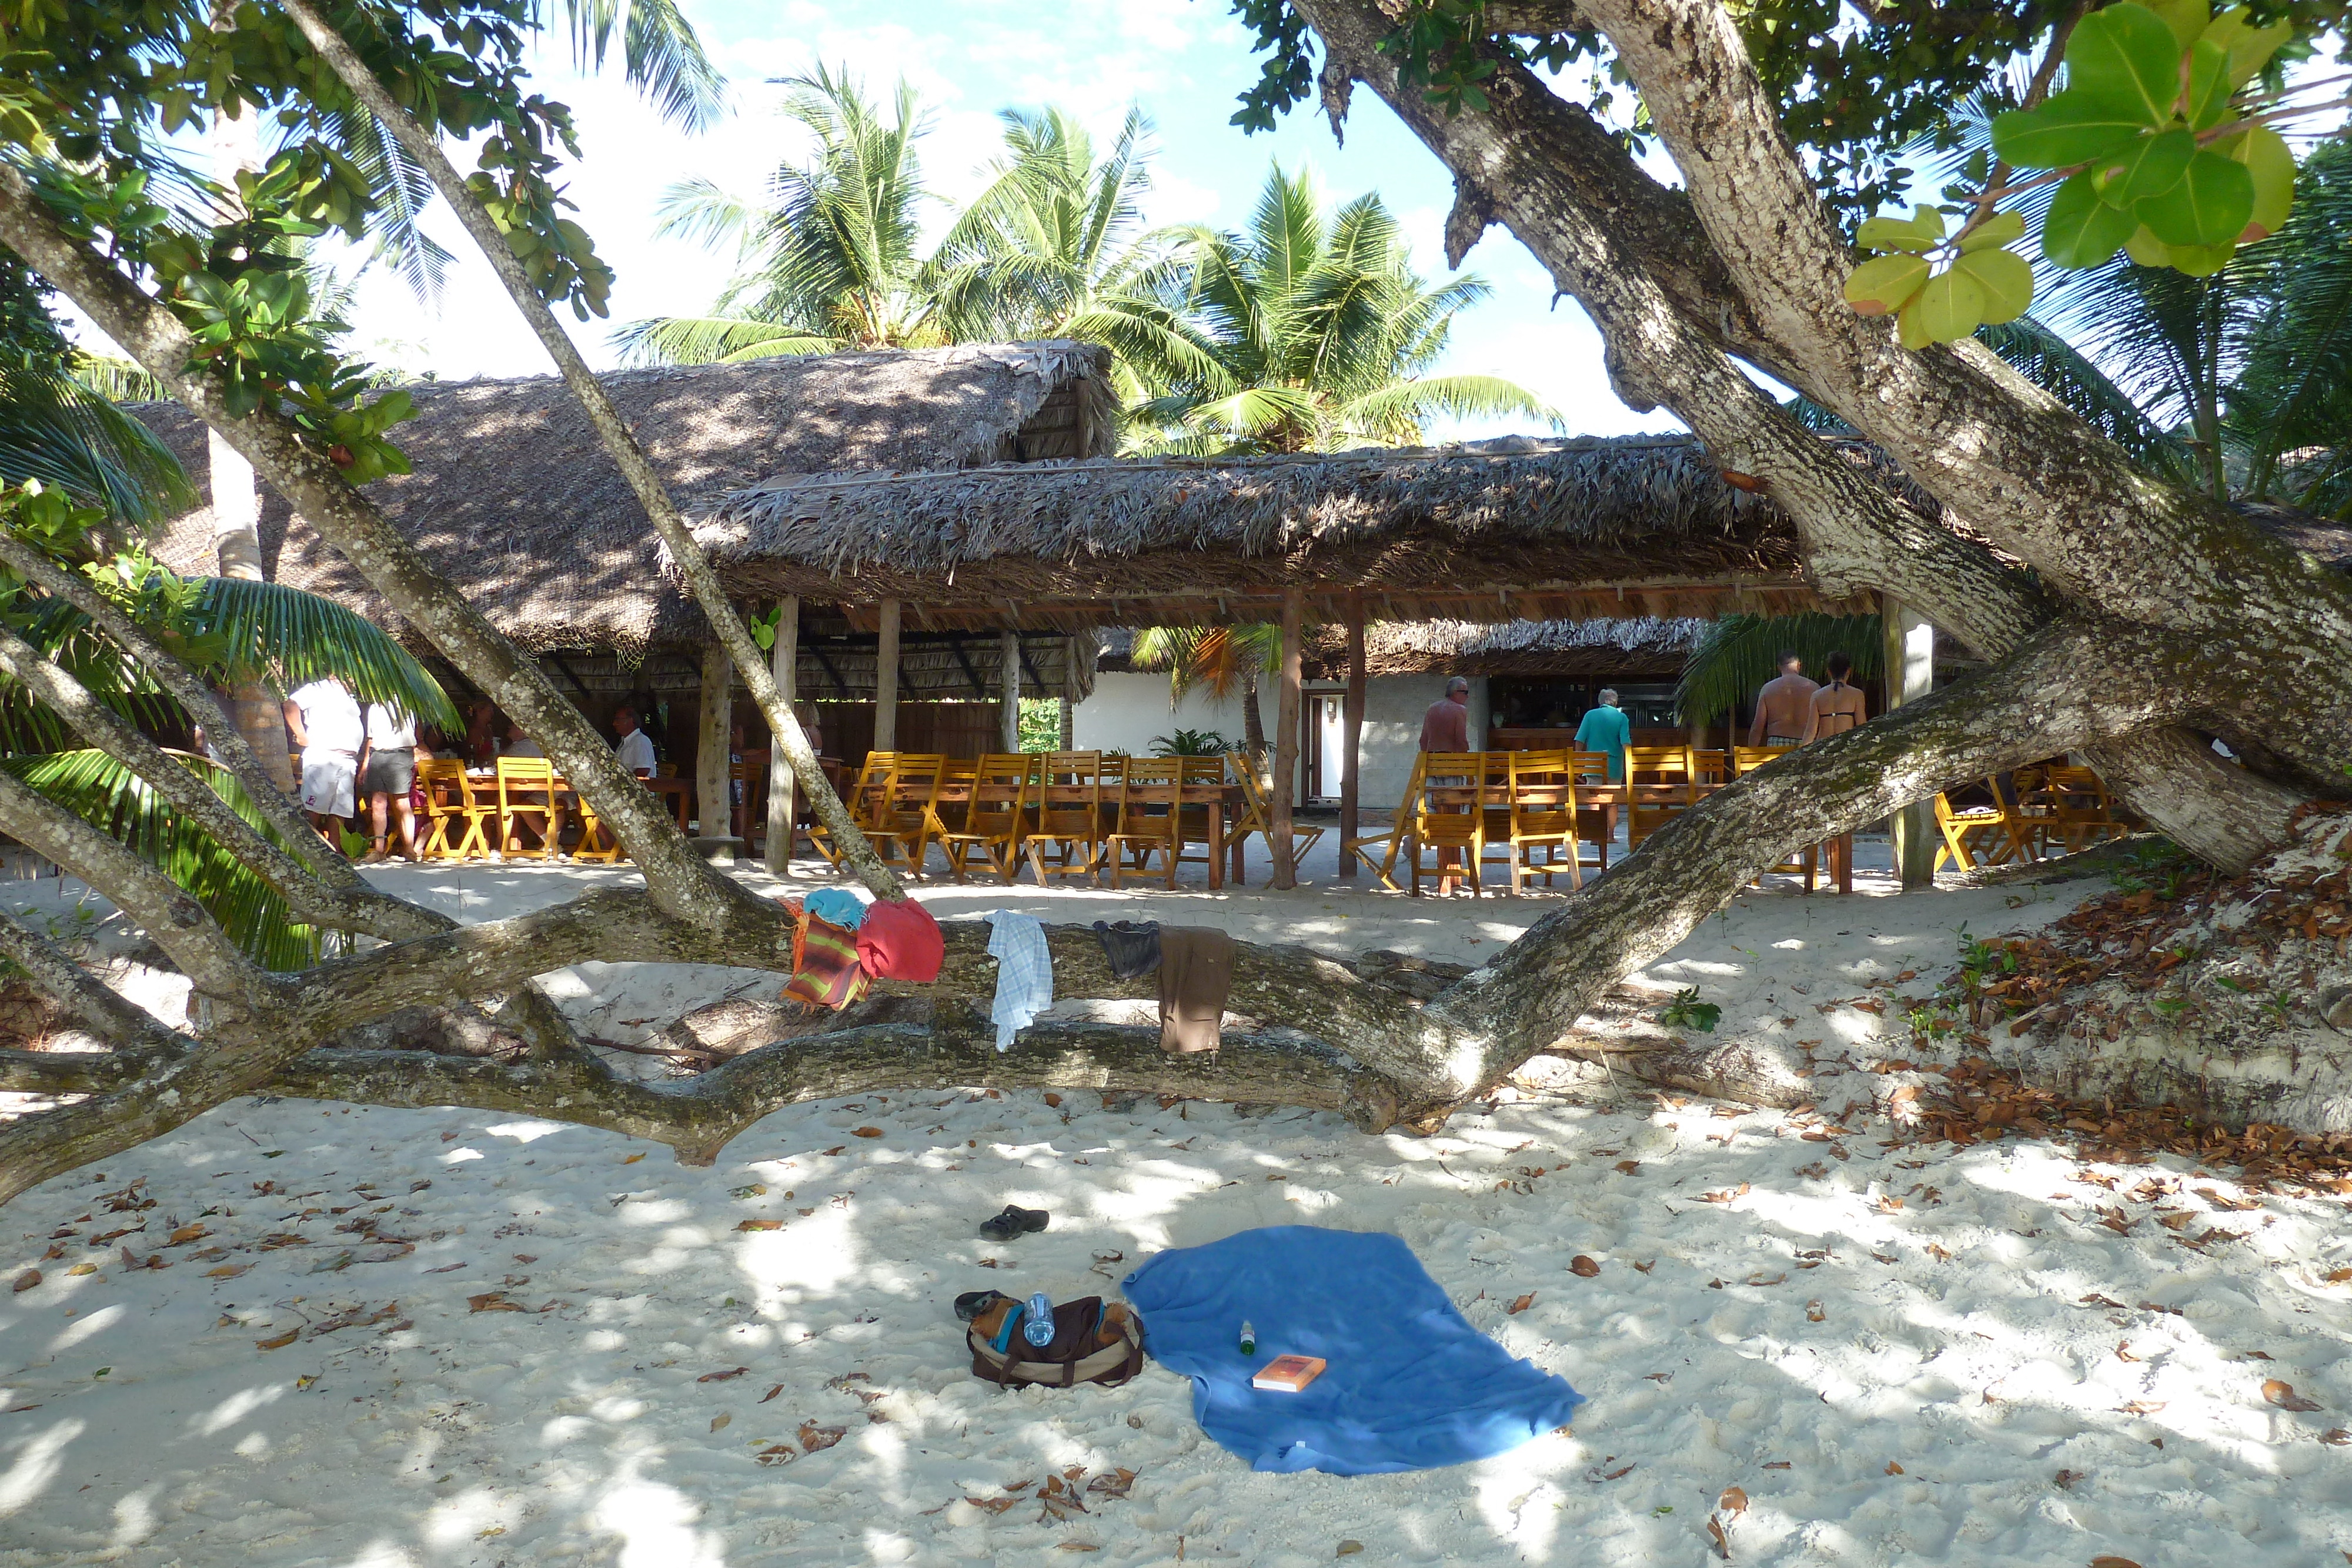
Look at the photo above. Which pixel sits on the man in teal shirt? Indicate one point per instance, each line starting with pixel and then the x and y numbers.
pixel 1606 728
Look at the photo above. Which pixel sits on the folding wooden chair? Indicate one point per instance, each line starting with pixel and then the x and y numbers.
pixel 996 801
pixel 909 804
pixel 1257 816
pixel 1747 759
pixel 1383 865
pixel 1976 836
pixel 526 797
pixel 1541 805
pixel 1451 815
pixel 1708 764
pixel 1148 817
pixel 1065 815
pixel 863 799
pixel 454 816
pixel 1658 788
pixel 2081 812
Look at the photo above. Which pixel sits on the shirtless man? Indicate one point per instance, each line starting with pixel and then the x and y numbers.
pixel 1783 705
pixel 1836 708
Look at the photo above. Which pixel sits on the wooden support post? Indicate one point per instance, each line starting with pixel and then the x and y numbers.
pixel 1910 659
pixel 1285 742
pixel 885 680
pixel 1069 739
pixel 783 661
pixel 716 838
pixel 1009 648
pixel 1351 726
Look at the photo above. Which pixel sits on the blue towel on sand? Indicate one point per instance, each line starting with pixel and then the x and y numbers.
pixel 1410 1385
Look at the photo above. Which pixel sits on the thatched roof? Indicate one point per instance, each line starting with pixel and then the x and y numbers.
pixel 514 500
pixel 1581 650
pixel 1520 530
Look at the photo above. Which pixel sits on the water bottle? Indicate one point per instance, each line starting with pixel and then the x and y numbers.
pixel 1038 1326
pixel 1249 1338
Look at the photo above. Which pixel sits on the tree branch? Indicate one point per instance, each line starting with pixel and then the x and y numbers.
pixel 175 678
pixel 391 563
pixel 613 433
pixel 97 1007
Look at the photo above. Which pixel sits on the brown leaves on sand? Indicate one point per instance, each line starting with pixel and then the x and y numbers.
pixel 865 1131
pixel 25 1281
pixel 2281 1394
pixel 1727 1195
pixel 1521 1306
pixel 758 1225
pixel 1582 1267
pixel 1728 1506
pixel 732 1372
pixel 816 1439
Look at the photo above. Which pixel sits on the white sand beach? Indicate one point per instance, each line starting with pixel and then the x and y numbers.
pixel 393 1338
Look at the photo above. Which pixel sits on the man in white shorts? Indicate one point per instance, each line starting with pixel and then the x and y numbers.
pixel 325 722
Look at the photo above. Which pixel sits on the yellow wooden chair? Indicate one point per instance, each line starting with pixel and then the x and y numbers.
pixel 1257 815
pixel 1450 815
pixel 454 817
pixel 1065 814
pixel 1377 851
pixel 1148 819
pixel 909 802
pixel 2081 812
pixel 1746 759
pixel 997 794
pixel 1541 808
pixel 526 798
pixel 1978 836
pixel 863 801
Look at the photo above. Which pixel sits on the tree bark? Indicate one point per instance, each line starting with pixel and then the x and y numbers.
pixel 1284 792
pixel 782 810
pixel 1351 724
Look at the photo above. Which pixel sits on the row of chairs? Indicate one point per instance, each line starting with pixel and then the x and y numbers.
pixel 1063 813
pixel 522 801
pixel 2030 814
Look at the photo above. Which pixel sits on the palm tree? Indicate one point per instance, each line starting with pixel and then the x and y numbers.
pixel 1318 335
pixel 1053 248
pixel 829 262
pixel 2288 421
pixel 1219 660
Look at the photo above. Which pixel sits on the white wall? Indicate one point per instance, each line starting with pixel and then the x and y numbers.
pixel 1127 711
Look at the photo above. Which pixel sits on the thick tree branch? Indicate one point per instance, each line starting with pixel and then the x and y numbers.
pixel 167 911
pixel 613 433
pixel 175 678
pixel 305 896
pixel 97 1007
pixel 674 873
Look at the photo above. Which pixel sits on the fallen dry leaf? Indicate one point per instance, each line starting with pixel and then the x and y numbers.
pixel 1645 1268
pixel 1348 1549
pixel 491 1301
pixel 1629 1167
pixel 633 1159
pixel 2336 1436
pixel 1893 1469
pixel 2282 1394
pixel 1075 1546
pixel 25 1281
pixel 227 1271
pixel 758 1225
pixel 1522 1304
pixel 722 1419
pixel 1722 1539
pixel 185 1234
pixel 865 1132
pixel 2123 1351
pixel 2113 1563
pixel 771 1393
pixel 776 1454
pixel 1583 1268
pixel 1733 1500
pixel 1815 1312
pixel 993 1504
pixel 1112 1483
pixel 280 1341
pixel 722 1376
pixel 81 1269
pixel 1726 1195
pixel 814 1437
pixel 2143 1406
pixel 1055 1100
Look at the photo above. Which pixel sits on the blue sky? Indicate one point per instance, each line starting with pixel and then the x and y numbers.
pixel 1183 61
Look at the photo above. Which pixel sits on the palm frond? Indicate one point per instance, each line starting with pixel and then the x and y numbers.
pixel 2058 367
pixel 297 637
pixel 55 429
pixel 713 340
pixel 661 53
pixel 1740 653
pixel 102 792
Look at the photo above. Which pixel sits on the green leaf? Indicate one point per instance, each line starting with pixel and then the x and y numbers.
pixel 2150 166
pixel 2187 18
pixel 2000 229
pixel 2210 205
pixel 2250 47
pixel 2069 128
pixel 2127 59
pixel 1949 306
pixel 2147 250
pixel 2005 280
pixel 1883 285
pixel 2201 260
pixel 1922 231
pixel 2270 161
pixel 2081 230
pixel 2206 101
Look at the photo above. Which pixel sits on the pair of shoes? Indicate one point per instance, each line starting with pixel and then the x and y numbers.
pixel 1014 1222
pixel 971 1304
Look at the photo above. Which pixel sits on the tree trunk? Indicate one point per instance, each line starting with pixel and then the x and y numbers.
pixel 1253 723
pixel 782 810
pixel 1352 728
pixel 1284 792
pixel 713 742
pixel 886 679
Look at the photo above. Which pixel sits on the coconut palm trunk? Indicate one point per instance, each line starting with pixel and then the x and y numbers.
pixel 236 143
pixel 1252 724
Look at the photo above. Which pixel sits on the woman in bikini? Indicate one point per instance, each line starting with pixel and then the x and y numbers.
pixel 1837 707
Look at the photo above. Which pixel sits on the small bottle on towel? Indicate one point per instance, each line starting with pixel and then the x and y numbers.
pixel 1249 1338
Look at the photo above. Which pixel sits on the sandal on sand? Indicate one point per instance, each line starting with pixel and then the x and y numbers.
pixel 1014 1222
pixel 971 1304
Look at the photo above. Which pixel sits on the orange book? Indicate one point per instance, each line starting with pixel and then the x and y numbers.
pixel 1288 1374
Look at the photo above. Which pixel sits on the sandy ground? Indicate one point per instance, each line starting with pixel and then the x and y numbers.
pixel 1900 1355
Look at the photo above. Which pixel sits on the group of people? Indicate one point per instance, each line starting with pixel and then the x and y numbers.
pixel 1791 710
pixel 354 756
